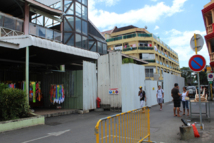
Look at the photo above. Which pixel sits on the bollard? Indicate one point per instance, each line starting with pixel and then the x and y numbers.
pixel 186 132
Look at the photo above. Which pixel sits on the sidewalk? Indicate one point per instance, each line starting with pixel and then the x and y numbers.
pixel 165 127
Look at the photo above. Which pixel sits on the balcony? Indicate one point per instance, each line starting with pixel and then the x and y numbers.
pixel 114 39
pixel 10 26
pixel 45 33
pixel 128 36
pixel 138 48
pixel 210 29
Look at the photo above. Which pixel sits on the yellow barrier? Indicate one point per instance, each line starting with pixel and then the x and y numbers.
pixel 129 127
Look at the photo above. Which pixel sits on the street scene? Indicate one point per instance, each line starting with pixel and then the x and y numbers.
pixel 113 71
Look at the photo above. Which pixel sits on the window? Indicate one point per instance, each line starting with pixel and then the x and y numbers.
pixel 149 72
pixel 9 23
pixel 94 44
pixel 85 2
pixel 84 42
pixel 100 47
pixel 84 27
pixel 78 40
pixel 104 49
pixel 19 26
pixel 148 56
pixel 69 39
pixel 69 23
pixel 70 10
pixel 79 1
pixel 84 13
pixel 78 9
pixel 78 25
pixel 1 20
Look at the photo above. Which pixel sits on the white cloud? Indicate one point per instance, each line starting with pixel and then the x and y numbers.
pixel 180 42
pixel 146 14
pixel 109 2
pixel 156 27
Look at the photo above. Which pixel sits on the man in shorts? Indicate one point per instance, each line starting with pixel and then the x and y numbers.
pixel 142 95
pixel 160 96
pixel 176 99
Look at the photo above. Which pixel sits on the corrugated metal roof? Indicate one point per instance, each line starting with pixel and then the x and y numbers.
pixel 28 40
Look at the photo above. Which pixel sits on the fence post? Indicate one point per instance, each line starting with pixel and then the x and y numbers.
pixel 97 131
pixel 148 125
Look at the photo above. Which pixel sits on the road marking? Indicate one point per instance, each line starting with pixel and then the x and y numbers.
pixel 49 135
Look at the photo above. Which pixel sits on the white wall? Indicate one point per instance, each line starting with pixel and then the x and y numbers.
pixel 132 77
pixel 109 76
pixel 89 86
pixel 168 83
pixel 151 90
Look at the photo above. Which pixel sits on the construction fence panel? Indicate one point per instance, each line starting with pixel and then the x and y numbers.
pixel 169 81
pixel 127 127
pixel 133 76
pixel 151 91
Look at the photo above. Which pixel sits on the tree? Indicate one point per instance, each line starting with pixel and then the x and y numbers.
pixel 203 78
pixel 127 60
pixel 186 73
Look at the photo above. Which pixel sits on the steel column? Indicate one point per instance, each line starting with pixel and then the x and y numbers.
pixel 27 73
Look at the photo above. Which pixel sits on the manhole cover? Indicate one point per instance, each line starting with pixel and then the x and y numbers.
pixel 53 123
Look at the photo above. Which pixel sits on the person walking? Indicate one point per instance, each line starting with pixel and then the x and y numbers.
pixel 185 102
pixel 142 95
pixel 160 96
pixel 176 99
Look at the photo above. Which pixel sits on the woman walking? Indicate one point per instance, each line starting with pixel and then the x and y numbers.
pixel 185 100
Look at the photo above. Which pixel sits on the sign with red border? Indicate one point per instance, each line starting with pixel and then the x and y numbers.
pixel 197 63
pixel 113 91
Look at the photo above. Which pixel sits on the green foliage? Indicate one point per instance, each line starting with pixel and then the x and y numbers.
pixel 3 86
pixel 13 104
pixel 128 60
pixel 203 78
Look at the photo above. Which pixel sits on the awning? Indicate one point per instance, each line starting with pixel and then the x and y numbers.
pixel 42 51
pixel 19 42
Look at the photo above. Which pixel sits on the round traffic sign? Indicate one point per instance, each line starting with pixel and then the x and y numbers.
pixel 210 76
pixel 197 63
pixel 200 42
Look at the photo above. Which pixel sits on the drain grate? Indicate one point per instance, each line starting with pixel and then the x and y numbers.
pixel 53 123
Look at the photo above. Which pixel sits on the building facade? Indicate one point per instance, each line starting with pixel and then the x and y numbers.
pixel 141 44
pixel 208 15
pixel 49 44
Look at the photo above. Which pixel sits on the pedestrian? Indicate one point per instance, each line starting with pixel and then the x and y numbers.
pixel 176 99
pixel 160 96
pixel 185 101
pixel 142 95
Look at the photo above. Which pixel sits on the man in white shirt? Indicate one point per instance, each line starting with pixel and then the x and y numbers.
pixel 160 96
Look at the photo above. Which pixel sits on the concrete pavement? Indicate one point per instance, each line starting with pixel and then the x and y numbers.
pixel 79 128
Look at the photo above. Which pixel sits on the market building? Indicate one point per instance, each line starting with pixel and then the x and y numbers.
pixel 50 49
pixel 141 44
pixel 208 15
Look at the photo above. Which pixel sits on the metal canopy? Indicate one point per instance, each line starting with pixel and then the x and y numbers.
pixel 42 51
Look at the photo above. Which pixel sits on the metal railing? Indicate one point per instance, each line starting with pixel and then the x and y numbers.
pixel 43 32
pixel 4 32
pixel 128 127
pixel 114 39
pixel 138 48
pixel 210 29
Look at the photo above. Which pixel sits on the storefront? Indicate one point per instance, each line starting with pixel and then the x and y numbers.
pixel 39 63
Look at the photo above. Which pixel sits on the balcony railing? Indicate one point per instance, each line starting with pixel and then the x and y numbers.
pixel 129 36
pixel 10 26
pixel 43 32
pixel 138 48
pixel 212 57
pixel 144 35
pixel 210 29
pixel 114 39
pixel 150 61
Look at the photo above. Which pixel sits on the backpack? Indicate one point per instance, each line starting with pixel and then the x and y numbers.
pixel 142 98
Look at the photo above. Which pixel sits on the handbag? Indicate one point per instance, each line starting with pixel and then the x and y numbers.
pixel 186 98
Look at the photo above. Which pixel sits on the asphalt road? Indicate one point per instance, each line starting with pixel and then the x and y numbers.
pixel 78 128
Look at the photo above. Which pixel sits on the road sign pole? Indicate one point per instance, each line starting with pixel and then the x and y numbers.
pixel 199 94
pixel 196 48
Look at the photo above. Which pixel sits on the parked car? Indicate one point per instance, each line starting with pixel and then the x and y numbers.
pixel 192 91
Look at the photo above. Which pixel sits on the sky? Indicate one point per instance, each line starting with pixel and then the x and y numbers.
pixel 174 21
